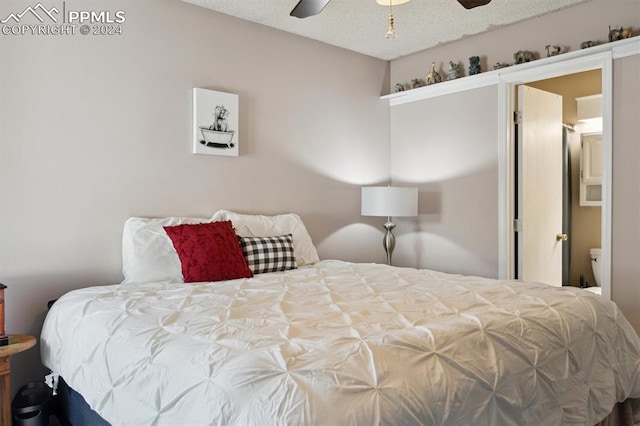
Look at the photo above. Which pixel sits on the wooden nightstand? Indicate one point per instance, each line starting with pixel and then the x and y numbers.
pixel 17 344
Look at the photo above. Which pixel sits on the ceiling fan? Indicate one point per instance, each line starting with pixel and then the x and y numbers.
pixel 306 8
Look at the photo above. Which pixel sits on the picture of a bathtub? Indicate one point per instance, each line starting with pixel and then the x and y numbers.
pixel 217 139
pixel 216 126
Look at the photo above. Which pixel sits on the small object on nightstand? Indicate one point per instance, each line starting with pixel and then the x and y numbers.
pixel 4 339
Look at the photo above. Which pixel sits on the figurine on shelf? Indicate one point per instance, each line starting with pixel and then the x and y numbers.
pixel 555 52
pixel 474 65
pixel 500 65
pixel 615 34
pixel 399 87
pixel 415 83
pixel 433 77
pixel 627 32
pixel 522 56
pixel 454 71
pixel 587 44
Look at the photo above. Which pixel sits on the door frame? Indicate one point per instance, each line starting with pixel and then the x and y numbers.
pixel 507 84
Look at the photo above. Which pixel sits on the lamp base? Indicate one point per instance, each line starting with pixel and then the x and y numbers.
pixel 389 241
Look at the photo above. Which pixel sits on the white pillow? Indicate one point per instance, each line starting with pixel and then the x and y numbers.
pixel 147 251
pixel 272 226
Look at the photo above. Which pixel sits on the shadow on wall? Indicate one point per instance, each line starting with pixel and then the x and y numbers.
pixel 430 202
pixel 457 227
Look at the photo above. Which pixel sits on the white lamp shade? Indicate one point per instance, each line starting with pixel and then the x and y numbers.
pixel 390 201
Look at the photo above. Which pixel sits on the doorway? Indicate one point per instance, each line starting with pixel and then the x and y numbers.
pixel 601 63
pixel 582 220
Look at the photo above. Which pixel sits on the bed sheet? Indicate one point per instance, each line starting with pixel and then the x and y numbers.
pixel 339 343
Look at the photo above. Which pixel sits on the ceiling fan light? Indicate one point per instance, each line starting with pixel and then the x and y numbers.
pixel 391 31
pixel 388 2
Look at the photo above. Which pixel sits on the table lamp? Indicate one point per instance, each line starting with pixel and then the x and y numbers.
pixel 389 201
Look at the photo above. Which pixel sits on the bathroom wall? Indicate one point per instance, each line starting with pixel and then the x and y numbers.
pixel 585 221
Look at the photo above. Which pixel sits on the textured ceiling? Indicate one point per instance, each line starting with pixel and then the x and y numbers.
pixel 360 25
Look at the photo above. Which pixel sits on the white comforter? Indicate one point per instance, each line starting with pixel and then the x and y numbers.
pixel 344 344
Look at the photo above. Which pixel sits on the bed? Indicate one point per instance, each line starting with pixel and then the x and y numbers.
pixel 338 343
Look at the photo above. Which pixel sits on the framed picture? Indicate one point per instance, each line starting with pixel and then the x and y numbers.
pixel 215 123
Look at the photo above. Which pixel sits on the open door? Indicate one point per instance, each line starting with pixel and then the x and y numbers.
pixel 539 234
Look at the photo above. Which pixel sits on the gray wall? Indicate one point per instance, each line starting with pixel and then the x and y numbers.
pixel 97 129
pixel 625 222
pixel 447 147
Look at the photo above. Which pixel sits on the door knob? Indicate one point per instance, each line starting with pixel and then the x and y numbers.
pixel 561 237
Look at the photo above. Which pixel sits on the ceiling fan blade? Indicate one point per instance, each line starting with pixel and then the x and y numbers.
pixel 306 8
pixel 470 4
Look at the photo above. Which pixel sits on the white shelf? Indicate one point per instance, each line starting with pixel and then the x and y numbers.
pixel 618 49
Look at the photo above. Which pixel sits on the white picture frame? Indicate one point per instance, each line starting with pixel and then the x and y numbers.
pixel 215 123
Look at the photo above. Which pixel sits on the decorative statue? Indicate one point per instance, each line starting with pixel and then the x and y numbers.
pixel 587 44
pixel 399 87
pixel 499 65
pixel 556 50
pixel 615 34
pixel 626 33
pixel 522 56
pixel 415 83
pixel 454 71
pixel 474 65
pixel 433 77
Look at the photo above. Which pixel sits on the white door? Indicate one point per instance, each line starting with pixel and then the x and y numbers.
pixel 540 186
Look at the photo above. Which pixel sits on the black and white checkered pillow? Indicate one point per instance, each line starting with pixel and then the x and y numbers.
pixel 269 254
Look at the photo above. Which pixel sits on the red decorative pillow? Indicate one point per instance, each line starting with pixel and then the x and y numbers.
pixel 208 252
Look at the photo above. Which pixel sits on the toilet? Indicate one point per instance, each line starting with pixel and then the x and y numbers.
pixel 596 264
pixel 595 253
